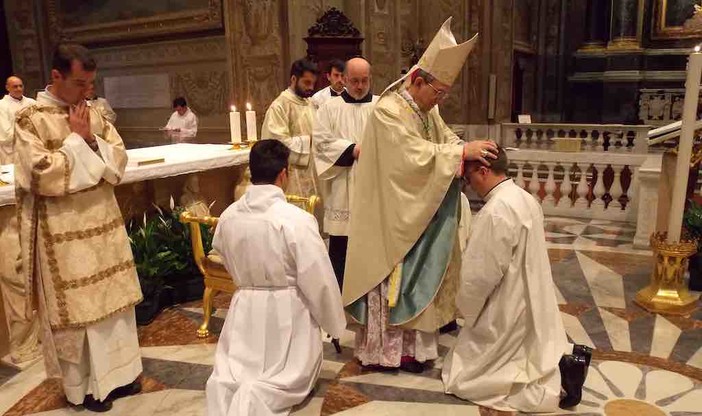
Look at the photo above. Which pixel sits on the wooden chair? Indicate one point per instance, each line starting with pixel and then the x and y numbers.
pixel 211 265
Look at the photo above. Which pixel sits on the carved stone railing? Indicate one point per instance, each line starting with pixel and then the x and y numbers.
pixel 595 137
pixel 595 185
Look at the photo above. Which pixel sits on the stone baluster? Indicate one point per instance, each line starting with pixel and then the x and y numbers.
pixel 520 174
pixel 534 184
pixel 616 190
pixel 587 140
pixel 550 187
pixel 599 146
pixel 582 188
pixel 631 192
pixel 599 190
pixel 566 187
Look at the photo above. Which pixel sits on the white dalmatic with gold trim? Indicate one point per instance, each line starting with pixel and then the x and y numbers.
pixel 270 350
pixel 507 354
pixel 76 256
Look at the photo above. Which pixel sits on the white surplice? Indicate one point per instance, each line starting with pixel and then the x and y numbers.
pixel 9 107
pixel 187 123
pixel 507 354
pixel 322 96
pixel 338 125
pixel 270 350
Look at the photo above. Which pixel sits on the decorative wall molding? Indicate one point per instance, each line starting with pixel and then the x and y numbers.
pixel 206 91
pixel 257 43
pixel 659 107
pixel 26 44
pixel 193 19
pixel 162 53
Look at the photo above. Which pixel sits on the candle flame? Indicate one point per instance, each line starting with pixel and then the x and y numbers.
pixel 697 48
pixel 248 106
pixel 233 109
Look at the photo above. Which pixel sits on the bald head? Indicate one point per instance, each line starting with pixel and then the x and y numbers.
pixel 357 77
pixel 15 87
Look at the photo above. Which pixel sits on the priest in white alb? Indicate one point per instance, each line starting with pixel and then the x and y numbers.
pixel 269 354
pixel 76 258
pixel 338 132
pixel 512 353
pixel 182 125
pixel 290 120
pixel 10 104
pixel 403 256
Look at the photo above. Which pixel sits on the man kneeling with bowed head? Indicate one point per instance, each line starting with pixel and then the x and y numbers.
pixel 270 351
pixel 512 353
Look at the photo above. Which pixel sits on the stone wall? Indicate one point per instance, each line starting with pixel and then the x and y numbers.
pixel 247 57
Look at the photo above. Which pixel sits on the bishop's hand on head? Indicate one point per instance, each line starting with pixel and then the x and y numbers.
pixel 480 150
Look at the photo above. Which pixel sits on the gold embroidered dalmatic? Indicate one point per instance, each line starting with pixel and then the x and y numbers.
pixel 289 120
pixel 72 235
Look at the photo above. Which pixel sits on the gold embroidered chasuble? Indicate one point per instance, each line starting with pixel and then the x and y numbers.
pixel 72 235
pixel 408 162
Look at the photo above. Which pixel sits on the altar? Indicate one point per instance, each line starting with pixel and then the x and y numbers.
pixel 183 173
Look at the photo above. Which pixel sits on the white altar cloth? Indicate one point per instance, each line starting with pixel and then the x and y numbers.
pixel 180 159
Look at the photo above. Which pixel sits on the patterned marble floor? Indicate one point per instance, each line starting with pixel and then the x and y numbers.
pixel 644 364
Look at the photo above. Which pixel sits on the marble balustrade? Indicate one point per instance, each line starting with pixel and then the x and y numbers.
pixel 594 137
pixel 605 186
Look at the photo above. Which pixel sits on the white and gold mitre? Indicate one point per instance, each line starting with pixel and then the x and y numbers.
pixel 444 57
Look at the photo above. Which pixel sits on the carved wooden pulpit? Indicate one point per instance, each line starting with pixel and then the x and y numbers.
pixel 333 36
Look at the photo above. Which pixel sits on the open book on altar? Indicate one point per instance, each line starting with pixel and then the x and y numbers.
pixel 144 160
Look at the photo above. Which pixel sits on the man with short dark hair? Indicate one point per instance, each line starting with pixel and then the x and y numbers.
pixel 335 76
pixel 182 126
pixel 270 350
pixel 289 120
pixel 76 257
pixel 512 353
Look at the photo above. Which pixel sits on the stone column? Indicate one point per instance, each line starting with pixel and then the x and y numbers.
pixel 597 30
pixel 624 24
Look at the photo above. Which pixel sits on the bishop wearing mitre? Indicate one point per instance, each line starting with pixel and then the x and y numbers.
pixel 403 256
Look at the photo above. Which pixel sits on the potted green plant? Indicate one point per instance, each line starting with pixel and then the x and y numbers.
pixel 692 222
pixel 164 261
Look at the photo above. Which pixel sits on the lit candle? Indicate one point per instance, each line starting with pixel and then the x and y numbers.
pixel 235 125
pixel 251 134
pixel 687 131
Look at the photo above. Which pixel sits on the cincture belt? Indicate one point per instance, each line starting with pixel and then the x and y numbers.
pixel 267 288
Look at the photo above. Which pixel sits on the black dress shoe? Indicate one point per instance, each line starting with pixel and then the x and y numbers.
pixel 573 369
pixel 97 406
pixel 583 351
pixel 414 367
pixel 129 390
pixel 449 327
pixel 337 346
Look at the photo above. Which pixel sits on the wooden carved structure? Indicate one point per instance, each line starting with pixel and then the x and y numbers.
pixel 333 36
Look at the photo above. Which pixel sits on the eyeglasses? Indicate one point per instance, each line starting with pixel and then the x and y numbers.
pixel 441 95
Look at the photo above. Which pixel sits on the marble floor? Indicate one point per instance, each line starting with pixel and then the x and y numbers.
pixel 644 364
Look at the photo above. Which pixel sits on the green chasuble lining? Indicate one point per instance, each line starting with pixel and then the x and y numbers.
pixel 425 265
